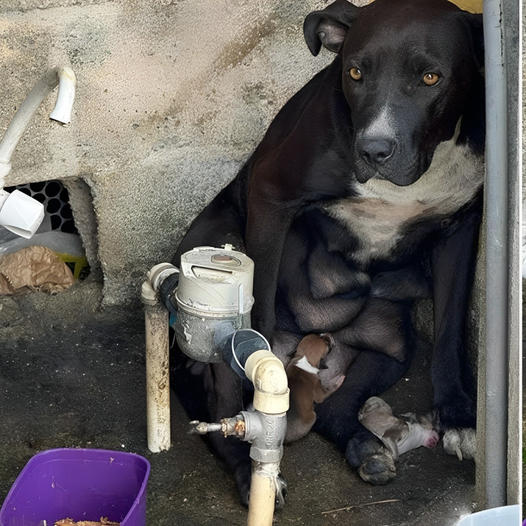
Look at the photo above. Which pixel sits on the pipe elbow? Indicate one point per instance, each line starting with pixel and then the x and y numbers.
pixel 66 95
pixel 268 375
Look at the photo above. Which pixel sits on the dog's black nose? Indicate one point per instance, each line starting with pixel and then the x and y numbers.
pixel 375 151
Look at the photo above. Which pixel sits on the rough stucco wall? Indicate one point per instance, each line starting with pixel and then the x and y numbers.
pixel 172 97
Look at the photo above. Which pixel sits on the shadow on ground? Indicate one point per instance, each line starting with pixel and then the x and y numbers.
pixel 73 376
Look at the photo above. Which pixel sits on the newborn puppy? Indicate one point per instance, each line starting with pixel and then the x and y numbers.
pixel 305 386
pixel 398 434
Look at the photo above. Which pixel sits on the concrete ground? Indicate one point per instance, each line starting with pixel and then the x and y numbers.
pixel 73 376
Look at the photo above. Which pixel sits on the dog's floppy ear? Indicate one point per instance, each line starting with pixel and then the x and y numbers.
pixel 329 26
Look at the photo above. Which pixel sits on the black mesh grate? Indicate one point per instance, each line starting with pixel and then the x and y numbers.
pixel 55 198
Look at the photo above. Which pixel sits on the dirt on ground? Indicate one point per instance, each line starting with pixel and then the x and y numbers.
pixel 73 375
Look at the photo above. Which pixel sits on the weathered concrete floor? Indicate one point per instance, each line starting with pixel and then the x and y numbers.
pixel 72 376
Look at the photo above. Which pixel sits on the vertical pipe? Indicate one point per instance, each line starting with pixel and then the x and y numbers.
pixel 262 498
pixel 496 187
pixel 157 371
pixel 512 28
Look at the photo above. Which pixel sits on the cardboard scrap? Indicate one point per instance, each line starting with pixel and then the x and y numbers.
pixel 34 268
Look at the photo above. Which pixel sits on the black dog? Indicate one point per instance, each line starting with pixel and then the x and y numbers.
pixel 363 194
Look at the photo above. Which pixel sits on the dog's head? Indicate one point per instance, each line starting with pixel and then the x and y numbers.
pixel 410 69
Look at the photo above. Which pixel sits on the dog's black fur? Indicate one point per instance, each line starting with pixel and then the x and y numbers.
pixel 363 195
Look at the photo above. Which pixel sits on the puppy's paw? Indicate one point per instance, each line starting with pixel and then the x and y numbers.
pixel 460 442
pixel 378 469
pixel 432 439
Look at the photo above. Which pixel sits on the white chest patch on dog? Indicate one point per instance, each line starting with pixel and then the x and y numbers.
pixel 306 366
pixel 382 210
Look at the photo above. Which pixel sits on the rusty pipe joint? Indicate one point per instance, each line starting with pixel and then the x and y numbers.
pixel 266 434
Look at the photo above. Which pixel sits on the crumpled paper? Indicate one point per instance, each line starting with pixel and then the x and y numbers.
pixel 34 268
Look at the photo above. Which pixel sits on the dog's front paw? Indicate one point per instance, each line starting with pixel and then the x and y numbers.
pixel 378 469
pixel 460 442
pixel 375 463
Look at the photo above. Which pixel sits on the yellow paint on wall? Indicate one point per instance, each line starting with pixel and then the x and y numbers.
pixel 474 6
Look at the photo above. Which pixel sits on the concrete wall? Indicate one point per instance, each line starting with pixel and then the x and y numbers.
pixel 172 97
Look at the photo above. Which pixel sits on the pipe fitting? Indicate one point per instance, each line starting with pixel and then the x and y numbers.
pixel 65 78
pixel 266 434
pixel 268 375
pixel 157 274
pixel 19 213
pixel 148 294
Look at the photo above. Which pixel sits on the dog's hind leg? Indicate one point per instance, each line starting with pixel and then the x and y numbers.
pixel 370 374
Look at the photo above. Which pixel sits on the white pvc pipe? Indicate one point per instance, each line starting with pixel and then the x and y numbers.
pixel 271 396
pixel 157 371
pixel 262 497
pixel 20 213
pixel 61 113
pixel 65 97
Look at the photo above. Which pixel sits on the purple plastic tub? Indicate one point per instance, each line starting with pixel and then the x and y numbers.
pixel 84 484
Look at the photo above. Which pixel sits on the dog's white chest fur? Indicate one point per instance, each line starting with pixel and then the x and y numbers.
pixel 382 210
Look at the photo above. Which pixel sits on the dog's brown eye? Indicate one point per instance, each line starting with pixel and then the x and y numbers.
pixel 355 73
pixel 430 79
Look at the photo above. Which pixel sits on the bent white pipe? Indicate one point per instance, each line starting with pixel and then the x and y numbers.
pixel 61 113
pixel 19 213
pixel 271 397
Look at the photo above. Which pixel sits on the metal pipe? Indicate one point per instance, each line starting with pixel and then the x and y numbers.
pixel 265 428
pixel 512 28
pixel 496 188
pixel 271 402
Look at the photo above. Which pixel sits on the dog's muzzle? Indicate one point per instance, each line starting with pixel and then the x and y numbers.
pixel 376 151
